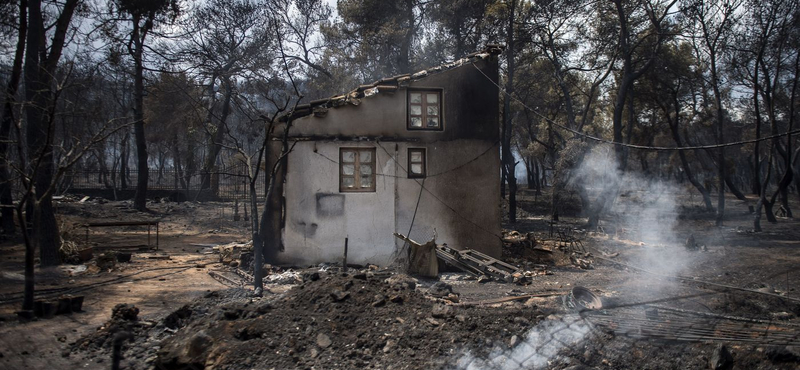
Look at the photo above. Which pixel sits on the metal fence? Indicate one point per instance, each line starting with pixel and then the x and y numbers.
pixel 225 184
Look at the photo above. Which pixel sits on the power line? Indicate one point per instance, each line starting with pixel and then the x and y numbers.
pixel 429 175
pixel 422 187
pixel 465 163
pixel 634 146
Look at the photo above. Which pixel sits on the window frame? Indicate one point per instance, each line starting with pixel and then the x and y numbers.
pixel 357 170
pixel 412 175
pixel 424 106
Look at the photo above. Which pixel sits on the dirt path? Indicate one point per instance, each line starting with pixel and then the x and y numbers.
pixel 156 286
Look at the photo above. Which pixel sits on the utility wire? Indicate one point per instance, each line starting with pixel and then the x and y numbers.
pixel 690 279
pixel 413 218
pixel 479 156
pixel 634 146
pixel 422 185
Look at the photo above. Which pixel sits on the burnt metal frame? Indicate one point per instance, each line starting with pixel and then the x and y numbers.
pixel 124 223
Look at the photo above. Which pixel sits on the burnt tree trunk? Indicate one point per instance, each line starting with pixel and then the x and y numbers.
pixel 508 159
pixel 176 157
pixel 756 149
pixel 123 160
pixel 191 166
pixel 161 164
pixel 404 58
pixel 627 78
pixel 528 172
pixel 266 233
pixel 214 144
pixel 733 188
pixel 720 116
pixel 503 176
pixel 139 34
pixel 783 187
pixel 7 212
pixel 687 169
pixel 762 198
pixel 40 68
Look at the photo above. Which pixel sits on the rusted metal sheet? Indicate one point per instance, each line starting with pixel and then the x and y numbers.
pixel 423 260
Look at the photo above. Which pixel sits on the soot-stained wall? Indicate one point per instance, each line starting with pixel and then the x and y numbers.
pixel 469 102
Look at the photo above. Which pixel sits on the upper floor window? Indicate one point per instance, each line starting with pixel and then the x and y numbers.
pixel 425 109
pixel 357 169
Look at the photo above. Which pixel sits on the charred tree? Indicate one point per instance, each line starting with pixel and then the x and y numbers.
pixel 6 200
pixel 712 23
pixel 144 17
pixel 40 71
pixel 214 143
pixel 732 186
pixel 762 199
pixel 687 168
pixel 509 164
pixel 757 113
pixel 137 51
pixel 628 45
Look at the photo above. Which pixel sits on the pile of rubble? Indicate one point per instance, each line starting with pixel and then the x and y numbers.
pixel 124 319
pixel 232 254
pixel 332 320
pixel 425 259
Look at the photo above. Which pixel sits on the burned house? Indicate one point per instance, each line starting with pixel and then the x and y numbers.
pixel 419 149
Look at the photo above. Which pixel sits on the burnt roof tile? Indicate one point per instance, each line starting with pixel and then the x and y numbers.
pixel 389 84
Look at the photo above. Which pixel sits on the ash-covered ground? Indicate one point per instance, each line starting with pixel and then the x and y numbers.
pixel 317 317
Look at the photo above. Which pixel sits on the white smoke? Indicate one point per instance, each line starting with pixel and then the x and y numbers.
pixel 538 349
pixel 643 216
pixel 642 220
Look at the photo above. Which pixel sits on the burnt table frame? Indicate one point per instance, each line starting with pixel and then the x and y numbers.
pixel 149 224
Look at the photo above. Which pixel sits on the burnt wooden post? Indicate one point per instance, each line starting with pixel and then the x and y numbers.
pixel 344 258
pixel 116 355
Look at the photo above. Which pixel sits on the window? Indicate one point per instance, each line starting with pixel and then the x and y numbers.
pixel 424 110
pixel 356 169
pixel 416 163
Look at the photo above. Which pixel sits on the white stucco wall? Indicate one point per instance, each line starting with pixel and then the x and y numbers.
pixel 319 217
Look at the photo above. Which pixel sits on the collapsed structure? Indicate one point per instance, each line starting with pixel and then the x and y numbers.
pixel 415 154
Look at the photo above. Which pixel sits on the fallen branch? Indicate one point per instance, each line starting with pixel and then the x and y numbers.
pixel 507 299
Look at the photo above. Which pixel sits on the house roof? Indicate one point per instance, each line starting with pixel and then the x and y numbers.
pixel 390 84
